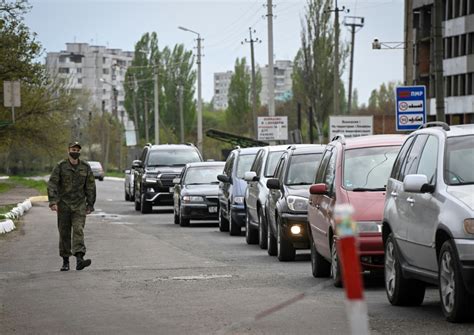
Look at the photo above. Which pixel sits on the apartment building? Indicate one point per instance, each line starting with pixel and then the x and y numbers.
pixel 97 70
pixel 282 72
pixel 221 89
pixel 458 57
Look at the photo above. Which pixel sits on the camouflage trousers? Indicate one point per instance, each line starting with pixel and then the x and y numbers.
pixel 71 223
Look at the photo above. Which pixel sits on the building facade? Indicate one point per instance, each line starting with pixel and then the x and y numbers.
pixel 458 56
pixel 221 89
pixel 96 70
pixel 282 73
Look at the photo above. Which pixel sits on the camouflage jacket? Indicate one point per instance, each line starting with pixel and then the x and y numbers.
pixel 74 187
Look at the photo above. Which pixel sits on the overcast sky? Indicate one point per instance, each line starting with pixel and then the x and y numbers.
pixel 223 25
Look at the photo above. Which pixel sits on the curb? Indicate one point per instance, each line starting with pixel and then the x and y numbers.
pixel 8 225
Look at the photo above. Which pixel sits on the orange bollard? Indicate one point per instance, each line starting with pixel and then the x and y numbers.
pixel 351 270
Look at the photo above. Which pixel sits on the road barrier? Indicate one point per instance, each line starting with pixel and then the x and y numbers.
pixel 351 270
pixel 8 225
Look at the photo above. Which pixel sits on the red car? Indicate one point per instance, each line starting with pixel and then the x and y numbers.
pixel 353 171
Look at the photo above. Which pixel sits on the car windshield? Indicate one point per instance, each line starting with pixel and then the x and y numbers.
pixel 244 163
pixel 272 161
pixel 202 175
pixel 95 165
pixel 172 157
pixel 302 169
pixel 368 169
pixel 458 166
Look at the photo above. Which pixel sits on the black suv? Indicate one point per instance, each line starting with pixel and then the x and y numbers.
pixel 158 166
pixel 288 200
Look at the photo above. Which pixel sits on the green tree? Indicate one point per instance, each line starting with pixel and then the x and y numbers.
pixel 313 78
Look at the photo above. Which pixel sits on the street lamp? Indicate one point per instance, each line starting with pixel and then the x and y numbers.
pixel 199 102
pixel 377 45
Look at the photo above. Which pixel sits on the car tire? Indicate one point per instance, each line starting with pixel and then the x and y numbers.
pixel 271 243
pixel 182 221
pixel 234 228
pixel 285 250
pixel 320 267
pixel 145 208
pixel 400 291
pixel 251 234
pixel 223 222
pixel 262 230
pixel 101 178
pixel 127 197
pixel 335 269
pixel 456 302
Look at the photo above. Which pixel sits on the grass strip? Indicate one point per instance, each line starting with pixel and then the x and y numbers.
pixel 40 185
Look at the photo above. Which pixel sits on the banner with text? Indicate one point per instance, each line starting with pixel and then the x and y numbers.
pixel 272 128
pixel 351 126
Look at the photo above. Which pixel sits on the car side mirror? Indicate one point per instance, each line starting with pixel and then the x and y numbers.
pixel 176 181
pixel 223 178
pixel 273 184
pixel 318 189
pixel 137 164
pixel 251 176
pixel 417 183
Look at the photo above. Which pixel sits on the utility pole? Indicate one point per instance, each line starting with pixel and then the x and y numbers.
pixel 199 102
pixel 181 113
pixel 357 22
pixel 254 81
pixel 438 59
pixel 408 61
pixel 156 101
pixel 336 84
pixel 145 101
pixel 271 85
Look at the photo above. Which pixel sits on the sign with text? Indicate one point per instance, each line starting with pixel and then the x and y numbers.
pixel 11 94
pixel 272 128
pixel 410 107
pixel 351 126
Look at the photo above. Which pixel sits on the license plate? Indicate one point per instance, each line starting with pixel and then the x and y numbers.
pixel 213 209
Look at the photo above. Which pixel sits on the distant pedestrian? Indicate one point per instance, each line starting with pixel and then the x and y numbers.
pixel 71 193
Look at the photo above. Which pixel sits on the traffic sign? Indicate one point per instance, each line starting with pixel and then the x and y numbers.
pixel 11 94
pixel 410 107
pixel 272 128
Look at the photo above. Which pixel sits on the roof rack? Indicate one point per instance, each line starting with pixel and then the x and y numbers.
pixel 441 124
pixel 339 137
pixel 190 144
pixel 237 147
pixel 292 147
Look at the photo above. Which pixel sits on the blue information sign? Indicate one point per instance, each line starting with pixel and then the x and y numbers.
pixel 410 107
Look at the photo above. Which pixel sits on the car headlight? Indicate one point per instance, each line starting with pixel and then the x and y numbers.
pixel 369 227
pixel 297 204
pixel 150 180
pixel 192 198
pixel 469 226
pixel 239 200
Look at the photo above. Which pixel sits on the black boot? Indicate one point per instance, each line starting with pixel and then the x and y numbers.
pixel 81 262
pixel 65 266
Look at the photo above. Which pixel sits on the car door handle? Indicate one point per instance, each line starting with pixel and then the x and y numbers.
pixel 394 194
pixel 410 200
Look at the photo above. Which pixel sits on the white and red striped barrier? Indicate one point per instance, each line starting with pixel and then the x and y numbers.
pixel 351 270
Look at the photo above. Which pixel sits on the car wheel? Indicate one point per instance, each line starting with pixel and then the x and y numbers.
pixel 101 178
pixel 271 243
pixel 234 228
pixel 223 222
pixel 182 221
pixel 145 207
pixel 320 267
pixel 285 250
pixel 456 302
pixel 127 197
pixel 335 265
pixel 400 291
pixel 262 230
pixel 251 234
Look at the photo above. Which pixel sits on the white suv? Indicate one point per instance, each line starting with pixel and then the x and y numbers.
pixel 428 228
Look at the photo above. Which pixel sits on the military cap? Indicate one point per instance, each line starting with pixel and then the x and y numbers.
pixel 74 144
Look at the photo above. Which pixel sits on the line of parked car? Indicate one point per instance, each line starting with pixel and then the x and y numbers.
pixel 413 200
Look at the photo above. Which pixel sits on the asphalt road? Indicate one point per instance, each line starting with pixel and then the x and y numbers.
pixel 150 276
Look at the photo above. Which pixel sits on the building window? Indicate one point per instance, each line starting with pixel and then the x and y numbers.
pixel 470 43
pixel 455 86
pixel 104 91
pixel 447 86
pixel 464 7
pixel 449 46
pixel 462 45
pixel 63 70
pixel 104 60
pixel 462 84
pixel 79 70
pixel 471 7
pixel 79 80
pixel 105 71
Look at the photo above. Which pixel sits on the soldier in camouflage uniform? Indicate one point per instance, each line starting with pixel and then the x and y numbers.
pixel 71 192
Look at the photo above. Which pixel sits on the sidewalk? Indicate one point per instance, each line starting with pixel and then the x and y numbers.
pixel 16 195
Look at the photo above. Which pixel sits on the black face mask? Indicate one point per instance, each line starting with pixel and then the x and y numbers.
pixel 74 155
